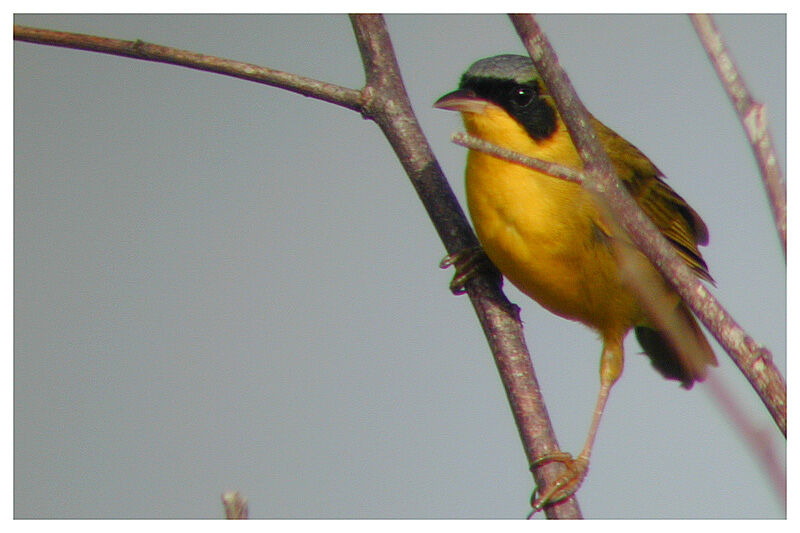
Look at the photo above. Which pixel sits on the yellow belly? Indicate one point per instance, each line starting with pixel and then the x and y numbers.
pixel 544 235
pixel 552 239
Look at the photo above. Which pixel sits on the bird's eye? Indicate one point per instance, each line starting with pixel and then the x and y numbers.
pixel 522 96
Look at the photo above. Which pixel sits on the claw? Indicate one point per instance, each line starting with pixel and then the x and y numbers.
pixel 468 263
pixel 566 485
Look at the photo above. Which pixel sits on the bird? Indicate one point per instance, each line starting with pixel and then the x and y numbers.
pixel 554 240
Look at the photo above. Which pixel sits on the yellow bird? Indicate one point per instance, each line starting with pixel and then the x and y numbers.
pixel 552 239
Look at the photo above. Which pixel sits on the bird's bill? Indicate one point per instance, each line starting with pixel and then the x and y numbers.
pixel 462 101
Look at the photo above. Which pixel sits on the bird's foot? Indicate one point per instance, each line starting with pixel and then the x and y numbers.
pixel 566 485
pixel 469 263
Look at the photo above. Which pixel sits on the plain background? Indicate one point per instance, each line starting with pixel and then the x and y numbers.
pixel 222 285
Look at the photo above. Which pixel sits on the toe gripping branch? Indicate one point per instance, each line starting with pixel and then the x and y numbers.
pixel 565 486
pixel 469 263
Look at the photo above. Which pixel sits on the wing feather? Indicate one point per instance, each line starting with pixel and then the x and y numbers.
pixel 670 213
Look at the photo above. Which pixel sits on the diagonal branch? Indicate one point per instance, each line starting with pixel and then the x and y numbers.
pixel 753 116
pixel 385 101
pixel 499 319
pixel 755 438
pixel 754 360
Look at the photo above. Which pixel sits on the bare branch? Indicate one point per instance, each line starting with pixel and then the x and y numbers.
pixel 387 103
pixel 753 116
pixel 235 506
pixel 384 101
pixel 753 360
pixel 758 437
pixel 328 92
pixel 551 169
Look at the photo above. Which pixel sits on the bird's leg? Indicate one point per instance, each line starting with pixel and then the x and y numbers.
pixel 577 468
pixel 468 263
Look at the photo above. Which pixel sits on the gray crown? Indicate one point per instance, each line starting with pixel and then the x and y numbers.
pixel 508 66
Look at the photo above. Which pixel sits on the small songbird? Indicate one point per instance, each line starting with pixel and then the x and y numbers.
pixel 554 241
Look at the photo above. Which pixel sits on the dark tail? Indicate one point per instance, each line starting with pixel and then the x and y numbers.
pixel 685 354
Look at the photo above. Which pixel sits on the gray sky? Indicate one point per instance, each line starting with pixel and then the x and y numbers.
pixel 222 285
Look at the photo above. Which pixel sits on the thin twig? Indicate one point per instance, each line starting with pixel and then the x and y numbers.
pixel 753 116
pixel 551 169
pixel 328 92
pixel 758 437
pixel 235 506
pixel 754 360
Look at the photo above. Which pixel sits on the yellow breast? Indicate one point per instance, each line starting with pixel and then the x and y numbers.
pixel 544 233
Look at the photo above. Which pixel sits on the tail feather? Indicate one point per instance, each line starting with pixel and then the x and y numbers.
pixel 684 354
